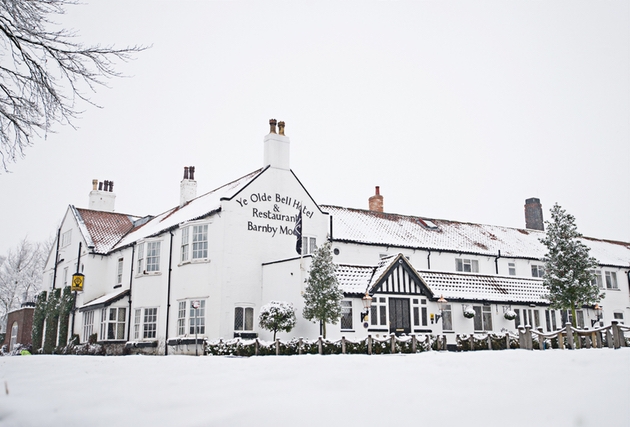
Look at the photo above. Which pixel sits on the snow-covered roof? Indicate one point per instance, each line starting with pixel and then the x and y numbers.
pixel 102 230
pixel 195 209
pixel 354 279
pixel 363 226
pixel 105 300
pixel 470 286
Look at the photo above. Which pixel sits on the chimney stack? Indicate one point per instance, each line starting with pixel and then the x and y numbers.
pixel 188 186
pixel 276 152
pixel 376 201
pixel 103 198
pixel 534 215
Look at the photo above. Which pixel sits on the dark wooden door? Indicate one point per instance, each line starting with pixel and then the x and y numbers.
pixel 399 316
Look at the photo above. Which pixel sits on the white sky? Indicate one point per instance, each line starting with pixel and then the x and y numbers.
pixel 458 110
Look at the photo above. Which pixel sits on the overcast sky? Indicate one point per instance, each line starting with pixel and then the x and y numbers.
pixel 457 110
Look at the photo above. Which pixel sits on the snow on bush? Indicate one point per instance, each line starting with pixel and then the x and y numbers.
pixel 277 316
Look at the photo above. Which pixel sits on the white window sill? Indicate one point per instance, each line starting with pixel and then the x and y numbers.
pixel 149 273
pixel 194 261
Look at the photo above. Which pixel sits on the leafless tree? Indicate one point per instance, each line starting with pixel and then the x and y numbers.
pixel 21 275
pixel 44 72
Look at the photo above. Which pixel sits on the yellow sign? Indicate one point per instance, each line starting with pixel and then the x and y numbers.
pixel 77 282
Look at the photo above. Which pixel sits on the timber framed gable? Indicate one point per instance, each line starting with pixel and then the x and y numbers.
pixel 397 277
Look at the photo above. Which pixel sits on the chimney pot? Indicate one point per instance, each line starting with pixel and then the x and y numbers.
pixel 281 128
pixel 111 186
pixel 100 186
pixel 272 126
pixel 94 184
pixel 376 201
pixel 191 169
pixel 185 172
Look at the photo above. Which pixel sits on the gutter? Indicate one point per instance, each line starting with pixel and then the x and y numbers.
pixel 56 259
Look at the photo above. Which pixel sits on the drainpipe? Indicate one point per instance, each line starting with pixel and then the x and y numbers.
pixel 429 260
pixel 496 262
pixel 168 292
pixel 133 253
pixel 74 302
pixel 56 258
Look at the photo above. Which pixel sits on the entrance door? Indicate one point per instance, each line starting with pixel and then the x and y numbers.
pixel 399 317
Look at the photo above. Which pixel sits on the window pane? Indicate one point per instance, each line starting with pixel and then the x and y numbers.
pixel 238 319
pixel 487 320
pixel 373 314
pixel 249 319
pixel 447 320
pixel 424 316
pixel 346 314
pixel 383 315
pixel 416 316
pixel 477 319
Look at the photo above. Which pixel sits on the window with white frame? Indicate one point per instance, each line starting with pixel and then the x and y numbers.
pixel 467 265
pixel 66 238
pixel 611 280
pixel 243 319
pixel 550 318
pixel 378 312
pixel 346 315
pixel 419 312
pixel 580 318
pixel 512 268
pixel 65 276
pixel 538 270
pixel 140 258
pixel 14 334
pixel 483 318
pixel 597 279
pixel 119 272
pixel 145 323
pixel 88 324
pixel 153 256
pixel 309 245
pixel 113 321
pixel 618 316
pixel 197 317
pixel 181 318
pixel 447 318
pixel 199 249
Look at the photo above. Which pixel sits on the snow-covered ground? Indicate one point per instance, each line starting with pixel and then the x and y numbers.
pixel 506 388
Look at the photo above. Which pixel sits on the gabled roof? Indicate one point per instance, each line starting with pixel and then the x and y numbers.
pixel 370 227
pixel 470 286
pixel 102 230
pixel 395 275
pixel 197 208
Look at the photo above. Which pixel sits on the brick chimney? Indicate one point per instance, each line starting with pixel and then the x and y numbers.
pixel 534 214
pixel 276 147
pixel 188 186
pixel 102 197
pixel 376 201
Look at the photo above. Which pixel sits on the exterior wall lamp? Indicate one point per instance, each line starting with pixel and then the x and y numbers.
pixel 367 303
pixel 441 303
pixel 598 315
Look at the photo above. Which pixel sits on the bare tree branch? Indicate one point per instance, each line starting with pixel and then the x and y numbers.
pixel 44 72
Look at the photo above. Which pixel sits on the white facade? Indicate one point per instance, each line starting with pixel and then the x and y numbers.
pixel 232 251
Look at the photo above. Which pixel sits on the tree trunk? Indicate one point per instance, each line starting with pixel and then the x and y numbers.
pixel 324 330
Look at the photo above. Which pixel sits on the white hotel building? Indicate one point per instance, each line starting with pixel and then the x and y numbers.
pixel 233 250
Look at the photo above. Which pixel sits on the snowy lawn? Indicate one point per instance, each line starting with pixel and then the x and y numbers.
pixel 483 388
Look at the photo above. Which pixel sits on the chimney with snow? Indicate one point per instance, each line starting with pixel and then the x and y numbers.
pixel 188 186
pixel 534 214
pixel 276 147
pixel 376 201
pixel 102 197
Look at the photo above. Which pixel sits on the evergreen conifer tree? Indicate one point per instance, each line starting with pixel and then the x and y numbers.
pixel 568 265
pixel 322 297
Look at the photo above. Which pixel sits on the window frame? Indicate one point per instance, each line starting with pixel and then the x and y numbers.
pixel 14 334
pixel 539 270
pixel 309 244
pixel 147 259
pixel 512 268
pixel 119 271
pixel 142 329
pixel 346 316
pixel 66 239
pixel 189 244
pixel 611 280
pixel 462 263
pixel 118 324
pixel 378 311
pixel 88 324
pixel 483 318
pixel 241 316
pixel 447 313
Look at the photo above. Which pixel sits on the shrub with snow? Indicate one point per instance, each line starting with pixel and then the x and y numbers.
pixel 277 316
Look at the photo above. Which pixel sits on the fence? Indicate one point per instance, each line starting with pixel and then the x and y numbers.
pixel 610 336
